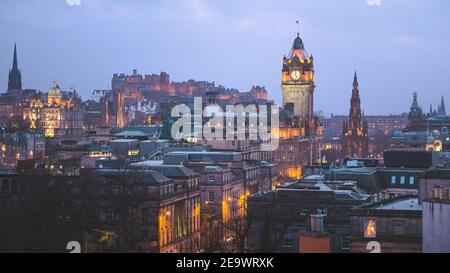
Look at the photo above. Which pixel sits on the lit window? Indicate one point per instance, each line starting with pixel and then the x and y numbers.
pixel 402 180
pixel 370 228
pixel 393 178
pixel 133 152
pixel 411 180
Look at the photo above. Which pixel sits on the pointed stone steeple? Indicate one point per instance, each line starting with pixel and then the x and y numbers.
pixel 355 135
pixel 355 102
pixel 441 110
pixel 15 66
pixel 15 77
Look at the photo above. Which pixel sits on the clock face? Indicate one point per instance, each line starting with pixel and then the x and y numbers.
pixel 296 75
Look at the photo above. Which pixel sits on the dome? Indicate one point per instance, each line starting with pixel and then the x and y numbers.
pixel 298 43
pixel 54 89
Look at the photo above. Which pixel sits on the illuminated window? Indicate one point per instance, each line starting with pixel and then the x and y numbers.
pixel 133 152
pixel 393 178
pixel 402 180
pixel 411 180
pixel 370 228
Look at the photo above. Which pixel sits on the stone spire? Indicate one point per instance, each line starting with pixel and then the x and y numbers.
pixel 15 77
pixel 441 110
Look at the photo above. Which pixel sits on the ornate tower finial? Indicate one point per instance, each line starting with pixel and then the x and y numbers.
pixel 355 79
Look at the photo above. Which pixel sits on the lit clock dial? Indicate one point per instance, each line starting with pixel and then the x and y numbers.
pixel 296 75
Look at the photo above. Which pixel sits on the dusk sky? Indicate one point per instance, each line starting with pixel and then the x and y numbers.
pixel 397 46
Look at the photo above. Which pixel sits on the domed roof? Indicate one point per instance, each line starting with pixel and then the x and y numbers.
pixel 54 89
pixel 298 43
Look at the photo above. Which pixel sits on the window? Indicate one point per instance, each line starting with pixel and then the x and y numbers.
pixel 287 243
pixel 399 228
pixel 393 178
pixel 133 152
pixel 322 211
pixel 411 180
pixel 402 180
pixel 304 212
pixel 211 196
pixel 345 242
pixel 370 228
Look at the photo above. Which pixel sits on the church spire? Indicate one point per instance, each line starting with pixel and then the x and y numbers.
pixel 355 80
pixel 355 93
pixel 14 66
pixel 441 110
pixel 15 77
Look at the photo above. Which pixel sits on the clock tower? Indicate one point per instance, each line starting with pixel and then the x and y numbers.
pixel 297 82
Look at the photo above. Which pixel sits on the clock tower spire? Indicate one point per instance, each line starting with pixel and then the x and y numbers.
pixel 297 82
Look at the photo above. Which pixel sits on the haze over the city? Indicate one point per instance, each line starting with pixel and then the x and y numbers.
pixel 397 47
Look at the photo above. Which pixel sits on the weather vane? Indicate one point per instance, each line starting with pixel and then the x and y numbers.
pixel 298 26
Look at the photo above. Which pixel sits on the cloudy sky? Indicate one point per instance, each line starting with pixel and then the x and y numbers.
pixel 397 46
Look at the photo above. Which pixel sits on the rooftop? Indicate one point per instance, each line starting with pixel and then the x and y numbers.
pixel 404 204
pixel 123 140
pixel 135 133
pixel 147 176
pixel 166 170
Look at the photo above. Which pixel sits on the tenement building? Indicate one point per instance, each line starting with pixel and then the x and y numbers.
pixel 279 219
pixel 106 210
